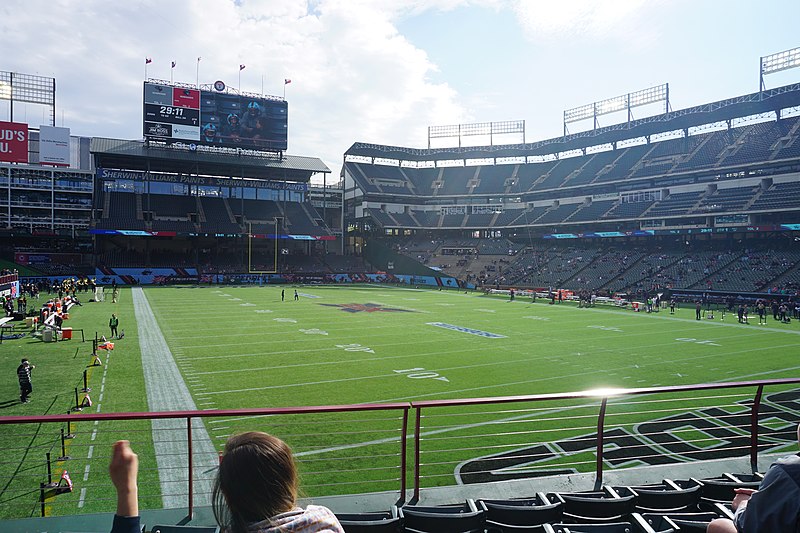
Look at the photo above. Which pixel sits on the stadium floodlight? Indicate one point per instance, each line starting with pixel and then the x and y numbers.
pixel 28 88
pixel 623 102
pixel 478 128
pixel 778 62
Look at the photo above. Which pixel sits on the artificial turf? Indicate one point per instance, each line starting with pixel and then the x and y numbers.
pixel 242 347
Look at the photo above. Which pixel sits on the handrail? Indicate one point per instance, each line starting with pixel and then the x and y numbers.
pixel 601 395
pixel 211 413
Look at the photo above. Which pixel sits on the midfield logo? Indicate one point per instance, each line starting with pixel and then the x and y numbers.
pixel 369 308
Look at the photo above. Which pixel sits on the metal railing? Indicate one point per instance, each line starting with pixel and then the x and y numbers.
pixel 351 449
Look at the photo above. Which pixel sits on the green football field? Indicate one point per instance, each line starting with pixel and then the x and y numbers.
pixel 243 347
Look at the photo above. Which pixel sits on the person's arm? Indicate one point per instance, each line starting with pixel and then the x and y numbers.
pixel 123 470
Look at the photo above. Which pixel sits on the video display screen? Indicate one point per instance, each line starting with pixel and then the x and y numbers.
pixel 177 114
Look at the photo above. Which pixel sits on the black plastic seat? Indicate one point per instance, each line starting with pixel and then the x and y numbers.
pixel 502 515
pixel 593 509
pixel 386 525
pixel 185 529
pixel 445 519
pixel 613 527
pixel 371 522
pixel 721 490
pixel 664 498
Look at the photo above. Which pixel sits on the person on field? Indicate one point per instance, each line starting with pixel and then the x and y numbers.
pixel 24 377
pixel 296 296
pixel 774 507
pixel 113 324
pixel 255 490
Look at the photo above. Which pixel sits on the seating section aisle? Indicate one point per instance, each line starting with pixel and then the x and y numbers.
pixel 217 217
pixel 122 213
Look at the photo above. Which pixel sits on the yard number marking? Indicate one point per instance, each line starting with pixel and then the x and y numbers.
pixel 421 373
pixel 707 343
pixel 607 328
pixel 355 348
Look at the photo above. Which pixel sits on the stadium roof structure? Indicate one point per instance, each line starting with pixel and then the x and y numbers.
pixel 139 155
pixel 722 110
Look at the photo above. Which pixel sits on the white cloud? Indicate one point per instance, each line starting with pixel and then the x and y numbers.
pixel 570 18
pixel 354 77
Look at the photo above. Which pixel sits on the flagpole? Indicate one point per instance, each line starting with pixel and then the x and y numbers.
pixel 171 70
pixel 197 79
pixel 240 80
pixel 262 86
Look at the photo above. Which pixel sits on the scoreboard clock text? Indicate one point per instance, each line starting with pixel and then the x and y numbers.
pixel 171 114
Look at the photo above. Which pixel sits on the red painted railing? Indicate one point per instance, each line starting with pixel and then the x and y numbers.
pixel 518 426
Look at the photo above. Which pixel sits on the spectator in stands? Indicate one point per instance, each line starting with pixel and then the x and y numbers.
pixel 255 490
pixel 774 507
pixel 24 376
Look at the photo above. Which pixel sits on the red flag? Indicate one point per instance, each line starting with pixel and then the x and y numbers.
pixel 241 67
pixel 66 479
pixel 148 60
pixel 287 81
pixel 173 64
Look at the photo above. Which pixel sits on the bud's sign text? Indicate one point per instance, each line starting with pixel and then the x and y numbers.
pixel 13 142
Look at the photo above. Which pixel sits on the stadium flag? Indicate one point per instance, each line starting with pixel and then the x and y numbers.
pixel 287 81
pixel 173 64
pixel 148 60
pixel 241 67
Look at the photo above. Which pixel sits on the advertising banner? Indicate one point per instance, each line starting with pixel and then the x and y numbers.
pixel 13 142
pixel 54 146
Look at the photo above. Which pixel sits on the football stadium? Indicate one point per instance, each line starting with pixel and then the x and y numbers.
pixel 597 329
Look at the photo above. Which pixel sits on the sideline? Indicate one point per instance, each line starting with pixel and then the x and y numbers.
pixel 166 391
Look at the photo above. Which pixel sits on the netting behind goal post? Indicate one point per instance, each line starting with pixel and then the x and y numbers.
pixel 98 294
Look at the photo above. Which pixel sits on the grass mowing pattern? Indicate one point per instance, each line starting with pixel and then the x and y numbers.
pixel 59 369
pixel 244 347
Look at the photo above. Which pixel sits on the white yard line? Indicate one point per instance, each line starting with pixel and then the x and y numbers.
pixel 166 391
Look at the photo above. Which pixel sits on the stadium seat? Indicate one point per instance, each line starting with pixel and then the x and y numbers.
pixel 592 508
pixel 510 514
pixel 185 529
pixel 721 490
pixel 386 525
pixel 372 522
pixel 663 498
pixel 615 527
pixel 445 519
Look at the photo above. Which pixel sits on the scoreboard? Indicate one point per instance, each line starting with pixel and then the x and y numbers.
pixel 171 113
pixel 180 114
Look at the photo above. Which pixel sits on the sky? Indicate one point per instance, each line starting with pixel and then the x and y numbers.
pixel 383 71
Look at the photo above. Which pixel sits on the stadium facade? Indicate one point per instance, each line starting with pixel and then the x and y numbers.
pixel 725 167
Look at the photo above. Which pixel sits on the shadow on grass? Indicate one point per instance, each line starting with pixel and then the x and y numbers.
pixel 9 403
